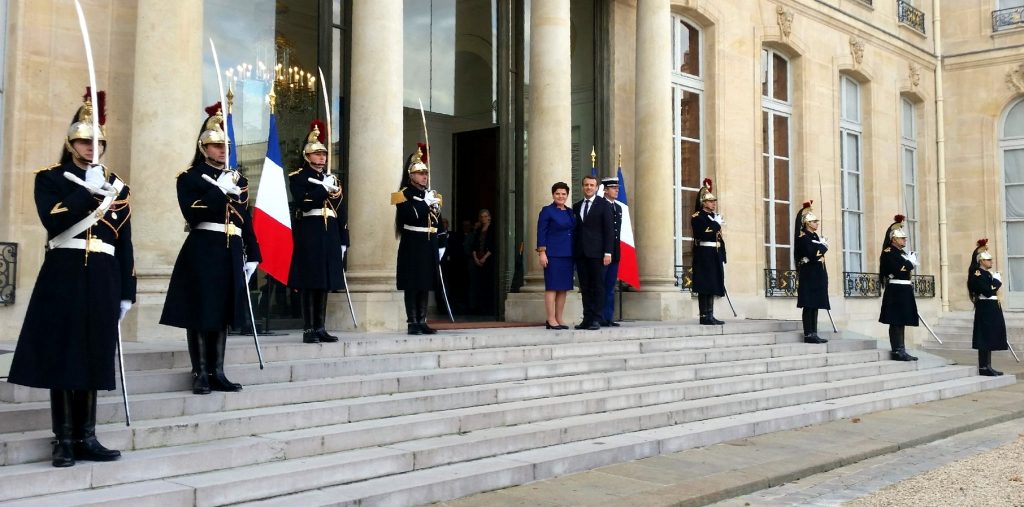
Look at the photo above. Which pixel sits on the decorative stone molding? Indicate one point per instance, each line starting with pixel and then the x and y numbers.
pixel 785 19
pixel 1015 78
pixel 856 50
pixel 914 74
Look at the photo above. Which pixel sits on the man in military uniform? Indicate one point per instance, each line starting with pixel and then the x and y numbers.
pixel 85 286
pixel 899 309
pixel 418 225
pixel 809 256
pixel 708 253
pixel 611 273
pixel 989 325
pixel 321 235
pixel 209 289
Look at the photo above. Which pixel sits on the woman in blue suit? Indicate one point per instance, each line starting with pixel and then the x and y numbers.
pixel 554 245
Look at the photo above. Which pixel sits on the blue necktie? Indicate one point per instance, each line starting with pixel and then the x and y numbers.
pixel 586 208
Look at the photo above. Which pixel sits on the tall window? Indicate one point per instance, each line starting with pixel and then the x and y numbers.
pixel 687 128
pixel 776 113
pixel 1011 146
pixel 908 163
pixel 850 131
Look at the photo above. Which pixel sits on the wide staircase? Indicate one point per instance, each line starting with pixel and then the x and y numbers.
pixel 389 419
pixel 956 328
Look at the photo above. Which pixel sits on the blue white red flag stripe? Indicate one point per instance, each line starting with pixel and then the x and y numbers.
pixel 271 219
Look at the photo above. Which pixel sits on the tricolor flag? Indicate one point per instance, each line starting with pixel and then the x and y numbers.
pixel 271 220
pixel 629 271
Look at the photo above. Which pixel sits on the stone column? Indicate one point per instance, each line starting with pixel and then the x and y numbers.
pixel 549 127
pixel 653 202
pixel 375 142
pixel 162 144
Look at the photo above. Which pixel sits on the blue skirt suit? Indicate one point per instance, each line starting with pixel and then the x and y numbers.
pixel 554 233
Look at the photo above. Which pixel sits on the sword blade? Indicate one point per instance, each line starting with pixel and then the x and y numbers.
pixel 444 293
pixel 327 116
pixel 351 309
pixel 1012 351
pixel 929 328
pixel 92 83
pixel 223 105
pixel 426 139
pixel 124 386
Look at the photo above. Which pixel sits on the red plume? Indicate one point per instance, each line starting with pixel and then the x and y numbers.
pixel 982 242
pixel 423 148
pixel 807 204
pixel 212 110
pixel 100 107
pixel 319 125
pixel 898 219
pixel 707 183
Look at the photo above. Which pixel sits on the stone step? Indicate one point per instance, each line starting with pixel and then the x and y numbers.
pixel 412 451
pixel 34 445
pixel 448 482
pixel 24 416
pixel 169 370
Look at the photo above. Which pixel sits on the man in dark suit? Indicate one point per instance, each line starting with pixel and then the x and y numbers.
pixel 592 248
pixel 611 274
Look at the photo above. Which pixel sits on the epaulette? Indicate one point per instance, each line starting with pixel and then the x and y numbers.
pixel 398 197
pixel 183 172
pixel 977 272
pixel 297 171
pixel 802 234
pixel 47 168
pixel 695 214
pixel 887 249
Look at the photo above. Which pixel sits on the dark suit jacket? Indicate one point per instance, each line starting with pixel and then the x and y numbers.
pixel 594 236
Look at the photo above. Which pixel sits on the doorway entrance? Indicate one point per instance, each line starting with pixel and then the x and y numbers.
pixel 473 268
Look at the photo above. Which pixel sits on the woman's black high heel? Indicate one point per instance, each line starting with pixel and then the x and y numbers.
pixel 549 326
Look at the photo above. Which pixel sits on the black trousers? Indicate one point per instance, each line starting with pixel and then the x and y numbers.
pixel 591 275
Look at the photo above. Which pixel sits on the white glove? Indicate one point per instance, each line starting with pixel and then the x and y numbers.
pixel 226 182
pixel 431 198
pixel 344 250
pixel 249 268
pixel 330 183
pixel 94 176
pixel 822 241
pixel 997 276
pixel 912 257
pixel 718 218
pixel 125 306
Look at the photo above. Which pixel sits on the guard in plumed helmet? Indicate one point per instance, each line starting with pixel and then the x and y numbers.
pixel 989 326
pixel 708 253
pixel 321 235
pixel 209 284
pixel 812 278
pixel 899 309
pixel 85 285
pixel 418 225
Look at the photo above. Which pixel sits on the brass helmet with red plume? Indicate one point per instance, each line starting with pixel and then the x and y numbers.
pixel 81 125
pixel 315 140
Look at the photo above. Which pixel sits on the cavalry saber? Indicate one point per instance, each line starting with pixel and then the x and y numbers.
pixel 440 274
pixel 252 315
pixel 729 299
pixel 96 160
pixel 444 291
pixel 1012 351
pixel 348 294
pixel 919 317
pixel 834 329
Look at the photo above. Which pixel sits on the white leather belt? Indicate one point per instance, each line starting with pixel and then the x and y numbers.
pixel 231 229
pixel 320 212
pixel 900 282
pixel 92 245
pixel 414 228
pixel 712 244
pixel 993 298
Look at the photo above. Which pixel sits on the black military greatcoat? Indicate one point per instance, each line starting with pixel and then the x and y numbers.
pixel 898 305
pixel 69 336
pixel 812 278
pixel 616 231
pixel 208 290
pixel 708 261
pixel 989 325
pixel 418 243
pixel 317 259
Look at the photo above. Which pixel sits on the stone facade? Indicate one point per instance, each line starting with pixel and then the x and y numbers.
pixel 981 76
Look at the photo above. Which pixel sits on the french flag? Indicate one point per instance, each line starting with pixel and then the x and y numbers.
pixel 629 271
pixel 271 220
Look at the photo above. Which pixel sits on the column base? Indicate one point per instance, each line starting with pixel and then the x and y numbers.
pixel 670 305
pixel 143 321
pixel 375 311
pixel 529 307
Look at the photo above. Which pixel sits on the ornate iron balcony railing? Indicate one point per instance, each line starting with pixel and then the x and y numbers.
pixel 8 272
pixel 910 15
pixel 861 285
pixel 780 283
pixel 684 277
pixel 1004 19
pixel 924 286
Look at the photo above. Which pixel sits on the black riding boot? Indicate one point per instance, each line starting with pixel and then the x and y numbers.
pixel 702 308
pixel 308 330
pixel 216 343
pixel 319 317
pixel 421 312
pixel 985 364
pixel 711 310
pixel 896 341
pixel 410 312
pixel 197 353
pixel 810 318
pixel 60 414
pixel 83 410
